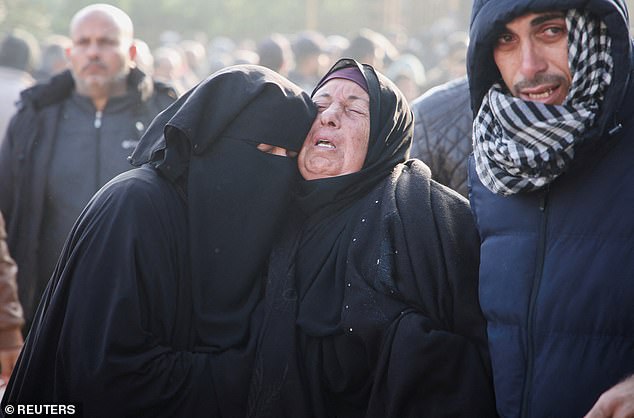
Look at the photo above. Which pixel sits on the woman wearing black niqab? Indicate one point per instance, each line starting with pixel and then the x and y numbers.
pixel 371 306
pixel 153 303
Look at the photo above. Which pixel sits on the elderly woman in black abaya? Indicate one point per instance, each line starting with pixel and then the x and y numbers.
pixel 153 303
pixel 371 306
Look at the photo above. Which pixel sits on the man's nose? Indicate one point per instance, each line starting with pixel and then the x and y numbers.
pixel 532 61
pixel 93 49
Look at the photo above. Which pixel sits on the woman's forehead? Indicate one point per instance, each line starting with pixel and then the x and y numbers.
pixel 342 88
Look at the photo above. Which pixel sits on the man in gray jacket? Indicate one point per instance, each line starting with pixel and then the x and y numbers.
pixel 69 137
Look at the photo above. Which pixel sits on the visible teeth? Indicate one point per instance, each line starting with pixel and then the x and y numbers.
pixel 325 144
pixel 541 95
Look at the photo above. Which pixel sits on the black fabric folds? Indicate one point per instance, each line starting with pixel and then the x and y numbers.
pixel 329 202
pixel 371 305
pixel 152 310
pixel 237 195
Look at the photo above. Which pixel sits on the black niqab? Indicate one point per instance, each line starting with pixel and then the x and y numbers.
pixel 236 194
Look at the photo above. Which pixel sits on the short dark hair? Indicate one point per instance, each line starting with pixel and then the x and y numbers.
pixel 19 50
pixel 307 44
pixel 274 51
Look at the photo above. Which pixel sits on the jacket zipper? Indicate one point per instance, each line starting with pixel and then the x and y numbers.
pixel 530 321
pixel 97 124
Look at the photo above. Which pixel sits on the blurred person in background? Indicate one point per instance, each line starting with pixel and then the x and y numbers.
pixel 408 73
pixel 365 48
pixel 195 56
pixel 168 66
pixel 275 52
pixel 451 62
pixel 53 58
pixel 245 56
pixel 70 137
pixel 309 50
pixel 19 53
pixel 219 52
pixel 143 58
pixel 11 316
pixel 337 44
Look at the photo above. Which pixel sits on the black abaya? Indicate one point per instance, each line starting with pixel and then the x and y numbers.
pixel 154 301
pixel 371 303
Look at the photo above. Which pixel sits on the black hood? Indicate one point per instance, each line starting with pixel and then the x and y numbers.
pixel 489 17
pixel 236 195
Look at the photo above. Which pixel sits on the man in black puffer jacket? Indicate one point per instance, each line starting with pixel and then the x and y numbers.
pixel 552 190
pixel 69 137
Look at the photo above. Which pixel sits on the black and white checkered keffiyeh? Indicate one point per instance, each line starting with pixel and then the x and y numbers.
pixel 521 145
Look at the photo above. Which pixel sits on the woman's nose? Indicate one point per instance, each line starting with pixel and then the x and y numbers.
pixel 330 116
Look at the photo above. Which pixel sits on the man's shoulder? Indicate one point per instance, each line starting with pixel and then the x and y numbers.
pixel 414 178
pixel 53 91
pixel 163 94
pixel 410 177
pixel 165 89
pixel 443 97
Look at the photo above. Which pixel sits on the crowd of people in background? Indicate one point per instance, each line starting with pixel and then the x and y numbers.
pixel 414 64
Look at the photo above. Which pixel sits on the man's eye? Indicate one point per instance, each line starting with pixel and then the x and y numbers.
pixel 505 38
pixel 554 30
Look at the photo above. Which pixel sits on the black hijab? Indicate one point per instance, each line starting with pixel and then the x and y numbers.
pixel 236 195
pixel 330 204
pixel 390 140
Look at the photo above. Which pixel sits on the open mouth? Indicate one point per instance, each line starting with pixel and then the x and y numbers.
pixel 543 94
pixel 540 96
pixel 323 143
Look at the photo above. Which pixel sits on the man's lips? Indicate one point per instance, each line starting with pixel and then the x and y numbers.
pixel 92 67
pixel 541 93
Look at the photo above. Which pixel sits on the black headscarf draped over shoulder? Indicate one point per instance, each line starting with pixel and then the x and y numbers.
pixel 236 195
pixel 391 124
pixel 330 203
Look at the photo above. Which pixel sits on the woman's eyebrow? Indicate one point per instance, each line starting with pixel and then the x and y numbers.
pixel 363 99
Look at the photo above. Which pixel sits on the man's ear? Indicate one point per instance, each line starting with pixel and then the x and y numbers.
pixel 132 51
